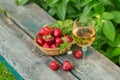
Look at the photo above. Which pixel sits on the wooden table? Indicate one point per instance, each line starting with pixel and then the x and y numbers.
pixel 17 48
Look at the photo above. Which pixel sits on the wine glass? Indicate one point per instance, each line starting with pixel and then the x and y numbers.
pixel 84 36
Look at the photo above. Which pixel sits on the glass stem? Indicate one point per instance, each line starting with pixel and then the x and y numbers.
pixel 84 54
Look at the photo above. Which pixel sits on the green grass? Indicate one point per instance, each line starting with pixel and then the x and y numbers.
pixel 5 74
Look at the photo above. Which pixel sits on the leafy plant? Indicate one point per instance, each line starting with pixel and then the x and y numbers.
pixel 66 26
pixel 5 74
pixel 104 14
pixel 21 2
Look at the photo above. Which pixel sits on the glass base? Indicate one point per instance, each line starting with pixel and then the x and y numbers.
pixel 85 67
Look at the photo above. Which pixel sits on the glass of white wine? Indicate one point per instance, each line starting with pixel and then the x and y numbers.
pixel 84 37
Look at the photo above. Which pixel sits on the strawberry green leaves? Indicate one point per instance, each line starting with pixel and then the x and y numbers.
pixel 66 26
pixel 109 30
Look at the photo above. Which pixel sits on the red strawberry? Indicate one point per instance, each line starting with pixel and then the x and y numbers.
pixel 67 66
pixel 77 54
pixel 45 45
pixel 45 31
pixel 53 46
pixel 41 32
pixel 58 40
pixel 48 30
pixel 49 39
pixel 54 65
pixel 57 32
pixel 69 39
pixel 40 41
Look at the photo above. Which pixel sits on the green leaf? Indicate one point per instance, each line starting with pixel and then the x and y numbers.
pixel 2 10
pixel 109 30
pixel 119 60
pixel 73 0
pixel 84 2
pixel 65 45
pixel 99 8
pixel 61 9
pixel 70 9
pixel 72 13
pixel 116 42
pixel 115 59
pixel 61 48
pixel 68 22
pixel 52 11
pixel 107 16
pixel 44 6
pixel 84 16
pixel 116 15
pixel 60 24
pixel 77 5
pixel 106 2
pixel 52 2
pixel 66 26
pixel 114 53
pixel 21 2
pixel 109 50
pixel 117 3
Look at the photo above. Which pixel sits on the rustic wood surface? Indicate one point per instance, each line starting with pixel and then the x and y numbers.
pixel 31 17
pixel 17 48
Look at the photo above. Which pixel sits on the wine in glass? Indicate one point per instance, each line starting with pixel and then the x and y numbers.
pixel 84 37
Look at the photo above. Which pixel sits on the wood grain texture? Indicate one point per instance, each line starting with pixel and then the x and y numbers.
pixel 104 68
pixel 17 48
pixel 29 17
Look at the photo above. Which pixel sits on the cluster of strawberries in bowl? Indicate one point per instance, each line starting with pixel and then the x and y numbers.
pixel 50 39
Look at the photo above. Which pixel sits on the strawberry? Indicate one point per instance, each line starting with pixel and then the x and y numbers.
pixel 41 32
pixel 77 54
pixel 68 38
pixel 45 31
pixel 57 32
pixel 49 39
pixel 67 66
pixel 54 65
pixel 40 41
pixel 53 46
pixel 45 45
pixel 58 40
pixel 48 30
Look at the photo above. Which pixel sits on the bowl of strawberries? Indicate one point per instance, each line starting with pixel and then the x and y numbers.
pixel 51 40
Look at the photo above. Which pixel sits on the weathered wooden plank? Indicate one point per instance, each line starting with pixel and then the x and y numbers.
pixel 104 69
pixel 29 18
pixel 16 47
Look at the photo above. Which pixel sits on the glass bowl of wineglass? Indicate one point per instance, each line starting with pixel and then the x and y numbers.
pixel 83 36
